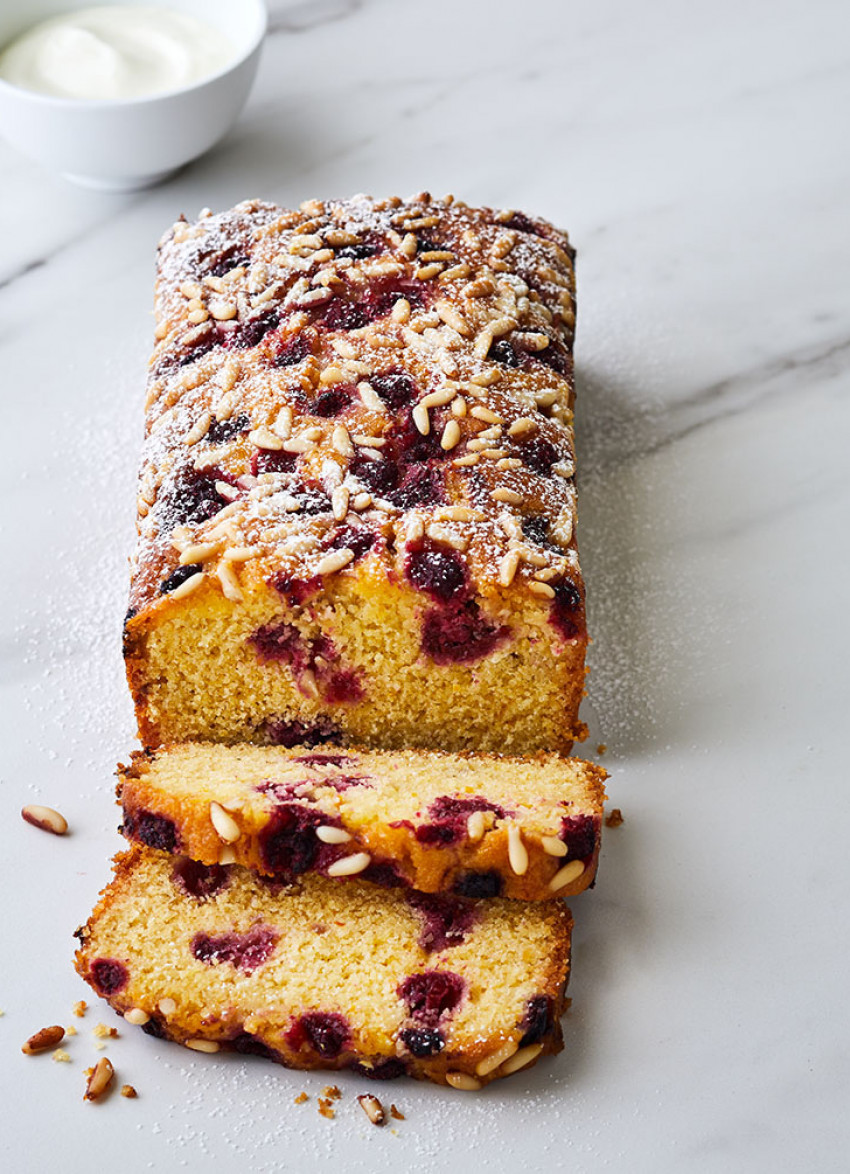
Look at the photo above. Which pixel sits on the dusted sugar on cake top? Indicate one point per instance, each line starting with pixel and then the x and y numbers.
pixel 356 502
pixel 322 975
pixel 474 825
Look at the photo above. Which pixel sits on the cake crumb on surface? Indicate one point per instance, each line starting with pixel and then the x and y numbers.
pixel 614 818
pixel 71 1030
pixel 397 1114
pixel 301 1099
pixel 331 1091
pixel 601 749
pixel 101 1031
pixel 61 1056
pixel 127 1090
pixel 80 1008
pixel 326 1108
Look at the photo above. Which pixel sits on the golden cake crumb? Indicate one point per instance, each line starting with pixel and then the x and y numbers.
pixel 101 1031
pixel 71 1030
pixel 80 1008
pixel 614 818
pixel 301 1099
pixel 601 748
pixel 397 1113
pixel 127 1090
pixel 326 1108
pixel 61 1056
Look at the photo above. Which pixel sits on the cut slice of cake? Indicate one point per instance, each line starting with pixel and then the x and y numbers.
pixel 322 975
pixel 474 825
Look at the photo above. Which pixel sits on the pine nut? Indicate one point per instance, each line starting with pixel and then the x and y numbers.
pixel 224 824
pixel 45 818
pixel 350 865
pixel 564 876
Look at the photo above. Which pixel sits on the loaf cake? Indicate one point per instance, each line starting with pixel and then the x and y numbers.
pixel 323 975
pixel 356 508
pixel 476 825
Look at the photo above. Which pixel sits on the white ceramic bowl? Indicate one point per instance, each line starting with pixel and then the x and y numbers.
pixel 124 145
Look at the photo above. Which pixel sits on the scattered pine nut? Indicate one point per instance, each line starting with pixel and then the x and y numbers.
pixel 99 1079
pixel 48 1037
pixel 373 1108
pixel 45 818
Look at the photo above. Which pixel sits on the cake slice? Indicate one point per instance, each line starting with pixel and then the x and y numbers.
pixel 356 508
pixel 474 825
pixel 322 975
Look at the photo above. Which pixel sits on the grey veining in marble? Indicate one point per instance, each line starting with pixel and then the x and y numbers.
pixel 698 155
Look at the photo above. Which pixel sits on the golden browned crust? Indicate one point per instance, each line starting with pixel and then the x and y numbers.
pixel 336 393
pixel 452 856
pixel 187 1009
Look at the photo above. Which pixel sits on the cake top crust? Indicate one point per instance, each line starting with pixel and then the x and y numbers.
pixel 368 386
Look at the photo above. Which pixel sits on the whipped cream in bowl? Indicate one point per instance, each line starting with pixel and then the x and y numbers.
pixel 114 52
pixel 118 96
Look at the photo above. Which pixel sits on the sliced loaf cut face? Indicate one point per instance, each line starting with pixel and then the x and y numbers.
pixel 323 975
pixel 472 825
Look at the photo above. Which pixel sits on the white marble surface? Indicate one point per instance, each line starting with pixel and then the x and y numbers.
pixel 698 155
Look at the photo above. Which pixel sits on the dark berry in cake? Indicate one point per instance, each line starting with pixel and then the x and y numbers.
pixel 253 331
pixel 286 732
pixel 249 1045
pixel 109 976
pixel 437 570
pixel 396 389
pixel 280 642
pixel 230 258
pixel 521 223
pixel 342 314
pixel 539 455
pixel 245 951
pixel 478 884
pixel 358 252
pixel 197 880
pixel 537 1020
pixel 326 1031
pixel 154 1028
pixel 294 349
pixel 422 1041
pixel 330 403
pixel 458 633
pixel 296 591
pixel 579 834
pixel 535 528
pixel 448 818
pixel 157 831
pixel 221 430
pixel 502 352
pixel 555 357
pixel 357 539
pixel 421 485
pixel 445 920
pixel 267 460
pixel 192 497
pixel 431 994
pixel 565 610
pixel 288 844
pixel 385 874
pixel 179 575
